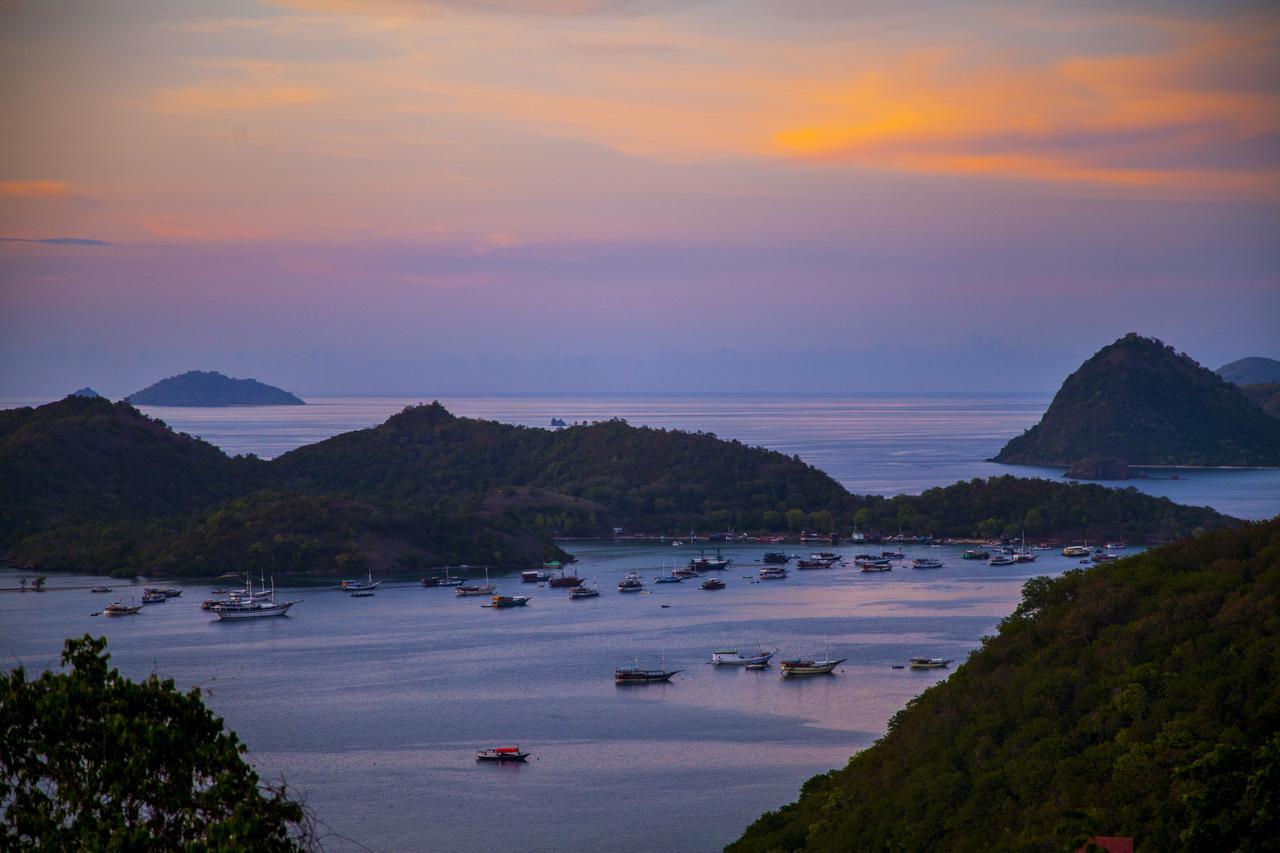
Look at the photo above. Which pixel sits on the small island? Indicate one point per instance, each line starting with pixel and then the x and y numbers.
pixel 210 388
pixel 1137 402
pixel 86 391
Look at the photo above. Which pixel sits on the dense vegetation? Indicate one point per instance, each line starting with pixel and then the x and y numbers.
pixel 210 388
pixel 90 760
pixel 1264 396
pixel 1139 401
pixel 98 487
pixel 1140 698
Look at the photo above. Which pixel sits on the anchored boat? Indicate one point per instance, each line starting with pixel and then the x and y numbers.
pixel 501 753
pixel 732 657
pixel 501 601
pixel 807 666
pixel 928 663
pixel 636 675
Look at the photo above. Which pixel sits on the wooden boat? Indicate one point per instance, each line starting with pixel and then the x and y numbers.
pixel 359 586
pixel 825 556
pixel 154 598
pixel 250 607
pixel 1075 551
pixel 501 753
pixel 773 573
pixel 732 657
pixel 442 580
pixel 584 592
pixel 874 566
pixel 119 608
pixel 976 554
pixel 166 591
pixel 1000 560
pixel 712 583
pixel 928 662
pixel 534 576
pixel 926 563
pixel 501 601
pixel 806 666
pixel 776 557
pixel 476 589
pixel 636 675
pixel 892 555
pixel 562 580
pixel 709 564
pixel 685 572
pixel 813 564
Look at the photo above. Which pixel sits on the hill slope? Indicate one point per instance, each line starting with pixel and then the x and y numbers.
pixel 210 388
pixel 1138 401
pixel 1254 370
pixel 1145 694
pixel 1266 397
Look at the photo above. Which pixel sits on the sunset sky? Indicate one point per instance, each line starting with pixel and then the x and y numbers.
pixel 591 195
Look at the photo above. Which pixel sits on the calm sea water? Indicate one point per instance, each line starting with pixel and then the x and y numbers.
pixel 873 444
pixel 372 708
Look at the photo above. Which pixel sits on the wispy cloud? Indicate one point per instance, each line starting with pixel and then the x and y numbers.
pixel 35 189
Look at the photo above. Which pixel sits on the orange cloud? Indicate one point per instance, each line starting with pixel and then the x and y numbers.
pixel 35 189
pixel 234 97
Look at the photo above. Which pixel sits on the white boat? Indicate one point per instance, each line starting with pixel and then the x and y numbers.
pixel 250 607
pixel 926 563
pixel 732 657
pixel 359 586
pixel 631 583
pixel 474 589
pixel 584 592
pixel 874 566
pixel 773 573
pixel 928 663
pixel 1076 551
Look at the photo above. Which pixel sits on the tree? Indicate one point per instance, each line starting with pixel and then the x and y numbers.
pixel 92 760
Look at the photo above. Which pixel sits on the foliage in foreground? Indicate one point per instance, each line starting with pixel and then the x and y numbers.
pixel 1140 699
pixel 90 760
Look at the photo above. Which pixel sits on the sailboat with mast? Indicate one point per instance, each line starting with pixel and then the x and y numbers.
pixel 250 607
pixel 475 589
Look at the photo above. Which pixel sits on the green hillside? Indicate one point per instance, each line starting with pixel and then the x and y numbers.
pixel 1138 401
pixel 1140 699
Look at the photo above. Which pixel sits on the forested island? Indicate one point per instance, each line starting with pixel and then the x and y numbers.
pixel 210 388
pixel 1139 699
pixel 1141 403
pixel 96 486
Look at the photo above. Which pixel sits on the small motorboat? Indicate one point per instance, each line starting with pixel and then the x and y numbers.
pixel 928 663
pixel 926 563
pixel 636 675
pixel 732 657
pixel 119 608
pixel 808 666
pixel 584 592
pixel 631 583
pixel 501 753
pixel 501 601
pixel 101 589
pixel 712 583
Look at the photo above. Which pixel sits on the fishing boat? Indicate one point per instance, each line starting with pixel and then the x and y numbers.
pixel 501 753
pixel 685 572
pixel 776 557
pixel 1000 560
pixel 874 566
pixel 249 607
pixel 808 666
pixel 825 557
pixel 631 583
pixel 476 589
pixel 584 592
pixel 732 657
pixel 1024 557
pixel 1117 546
pixel 1076 551
pixel 154 598
pixel 813 564
pixel 712 583
pixel 892 555
pixel 535 576
pixel 359 586
pixel 976 554
pixel 501 601
pixel 672 578
pixel 636 675
pixel 773 573
pixel 442 580
pixel 119 608
pixel 928 663
pixel 926 563
pixel 101 589
pixel 166 591
pixel 1104 558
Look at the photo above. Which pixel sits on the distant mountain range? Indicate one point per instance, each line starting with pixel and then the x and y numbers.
pixel 99 487
pixel 1254 370
pixel 1138 402
pixel 210 388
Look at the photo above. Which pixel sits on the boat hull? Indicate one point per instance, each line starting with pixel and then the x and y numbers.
pixel 791 669
pixel 230 614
